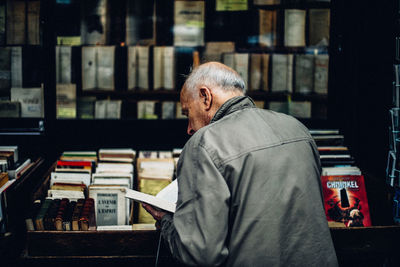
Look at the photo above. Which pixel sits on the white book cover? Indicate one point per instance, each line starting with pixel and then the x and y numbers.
pixel 143 67
pixel 112 208
pixel 295 22
pixel 132 67
pixel 114 168
pixel 73 177
pixel 158 74
pixel 112 181
pixel 112 176
pixel 156 169
pixel 168 67
pixel 31 99
pixel 89 64
pixel 105 67
pixel 166 199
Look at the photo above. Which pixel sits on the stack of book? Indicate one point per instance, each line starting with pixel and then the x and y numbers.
pixel 343 185
pixel 87 192
pixel 114 174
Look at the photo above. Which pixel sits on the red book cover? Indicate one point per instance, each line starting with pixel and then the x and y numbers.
pixel 346 200
pixel 73 163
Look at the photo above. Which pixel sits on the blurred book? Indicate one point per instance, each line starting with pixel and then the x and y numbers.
pixel 319 24
pixel 98 68
pixel 304 73
pixel 214 50
pixel 66 101
pixel 164 66
pixel 282 73
pixel 117 154
pixel 95 22
pixel 31 99
pixel 189 20
pixel 108 109
pixel 295 22
pixel 146 110
pixel 321 72
pixel 10 109
pixel 86 107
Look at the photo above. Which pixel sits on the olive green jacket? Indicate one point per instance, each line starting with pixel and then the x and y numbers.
pixel 249 193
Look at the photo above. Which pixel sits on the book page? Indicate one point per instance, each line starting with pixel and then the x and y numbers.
pixel 170 192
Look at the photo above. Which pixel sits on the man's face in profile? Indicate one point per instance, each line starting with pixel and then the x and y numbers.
pixel 194 109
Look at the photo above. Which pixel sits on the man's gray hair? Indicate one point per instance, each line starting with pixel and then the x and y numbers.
pixel 214 74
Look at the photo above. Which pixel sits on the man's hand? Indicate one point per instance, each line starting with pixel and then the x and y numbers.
pixel 157 214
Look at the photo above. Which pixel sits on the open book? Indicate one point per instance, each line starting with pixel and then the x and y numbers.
pixel 165 199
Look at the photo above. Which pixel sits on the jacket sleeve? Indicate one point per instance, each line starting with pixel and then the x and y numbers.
pixel 196 233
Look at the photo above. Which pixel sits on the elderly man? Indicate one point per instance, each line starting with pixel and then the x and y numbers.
pixel 249 182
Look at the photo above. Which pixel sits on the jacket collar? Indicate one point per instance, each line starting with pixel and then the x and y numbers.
pixel 234 104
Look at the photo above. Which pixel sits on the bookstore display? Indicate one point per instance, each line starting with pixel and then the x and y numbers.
pixel 90 190
pixel 115 57
pixel 74 62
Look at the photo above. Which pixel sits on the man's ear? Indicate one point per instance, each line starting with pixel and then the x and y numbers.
pixel 206 97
